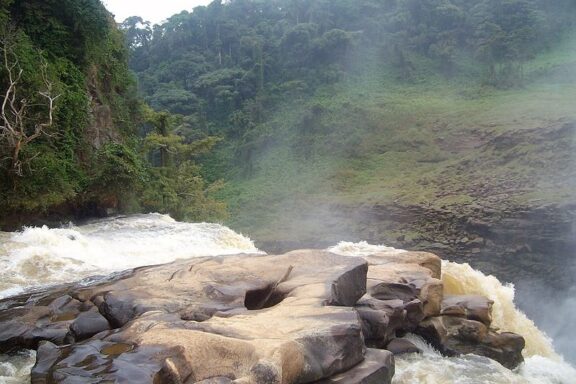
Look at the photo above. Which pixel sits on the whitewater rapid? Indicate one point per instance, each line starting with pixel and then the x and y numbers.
pixel 40 257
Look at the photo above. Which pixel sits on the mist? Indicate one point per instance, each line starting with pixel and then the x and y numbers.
pixel 554 311
pixel 440 126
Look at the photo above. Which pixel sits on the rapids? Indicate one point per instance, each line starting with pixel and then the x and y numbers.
pixel 42 256
pixel 39 257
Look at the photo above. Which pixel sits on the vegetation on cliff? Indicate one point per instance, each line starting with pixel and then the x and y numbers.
pixel 71 121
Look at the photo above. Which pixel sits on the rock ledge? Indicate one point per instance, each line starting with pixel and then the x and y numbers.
pixel 307 316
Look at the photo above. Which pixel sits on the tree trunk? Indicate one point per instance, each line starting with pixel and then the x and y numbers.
pixel 15 158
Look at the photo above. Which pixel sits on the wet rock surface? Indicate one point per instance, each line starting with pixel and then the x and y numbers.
pixel 377 367
pixel 477 308
pixel 401 347
pixel 454 336
pixel 306 316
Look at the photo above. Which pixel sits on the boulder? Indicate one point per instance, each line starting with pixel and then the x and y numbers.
pixel 377 368
pixel 454 336
pixel 477 308
pixel 46 356
pixel 403 288
pixel 88 324
pixel 382 319
pixel 406 276
pixel 401 347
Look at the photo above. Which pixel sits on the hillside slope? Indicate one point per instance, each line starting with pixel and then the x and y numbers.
pixel 441 125
pixel 436 145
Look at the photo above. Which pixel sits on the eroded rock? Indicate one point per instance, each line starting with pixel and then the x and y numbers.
pixel 453 336
pixel 401 347
pixel 477 308
pixel 303 317
pixel 406 276
pixel 381 319
pixel 377 368
pixel 88 324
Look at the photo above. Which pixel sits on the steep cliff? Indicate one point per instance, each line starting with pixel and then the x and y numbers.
pixel 69 112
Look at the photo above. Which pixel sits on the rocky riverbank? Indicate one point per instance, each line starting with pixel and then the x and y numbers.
pixel 301 317
pixel 512 242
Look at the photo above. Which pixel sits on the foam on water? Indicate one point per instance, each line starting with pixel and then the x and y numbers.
pixel 37 257
pixel 462 279
pixel 432 368
pixel 15 369
pixel 362 248
pixel 44 256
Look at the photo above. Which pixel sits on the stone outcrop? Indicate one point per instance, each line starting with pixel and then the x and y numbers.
pixel 402 289
pixel 464 327
pixel 402 347
pixel 306 316
pixel 477 308
pixel 453 335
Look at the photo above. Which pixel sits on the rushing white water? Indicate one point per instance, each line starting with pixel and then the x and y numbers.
pixel 38 257
pixel 542 365
pixel 15 369
pixel 462 279
pixel 41 256
pixel 432 368
pixel 362 248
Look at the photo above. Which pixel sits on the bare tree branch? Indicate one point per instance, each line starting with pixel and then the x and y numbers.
pixel 15 131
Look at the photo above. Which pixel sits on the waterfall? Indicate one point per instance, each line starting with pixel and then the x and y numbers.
pixel 40 257
pixel 43 256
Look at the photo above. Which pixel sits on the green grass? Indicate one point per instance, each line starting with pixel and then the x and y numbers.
pixel 380 142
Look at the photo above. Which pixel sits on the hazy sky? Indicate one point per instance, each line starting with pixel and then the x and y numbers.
pixel 151 10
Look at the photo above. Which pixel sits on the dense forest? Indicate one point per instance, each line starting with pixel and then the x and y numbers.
pixel 73 130
pixel 321 101
pixel 293 103
pixel 225 64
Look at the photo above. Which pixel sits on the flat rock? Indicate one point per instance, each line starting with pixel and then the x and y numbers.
pixel 426 260
pixel 306 316
pixel 26 327
pixel 253 318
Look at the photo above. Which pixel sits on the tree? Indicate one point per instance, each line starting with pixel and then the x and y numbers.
pixel 176 185
pixel 506 36
pixel 23 120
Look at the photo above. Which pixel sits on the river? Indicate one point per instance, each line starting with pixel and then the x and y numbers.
pixel 40 257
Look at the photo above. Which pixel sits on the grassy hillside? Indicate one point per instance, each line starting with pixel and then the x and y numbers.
pixel 435 143
pixel 326 108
